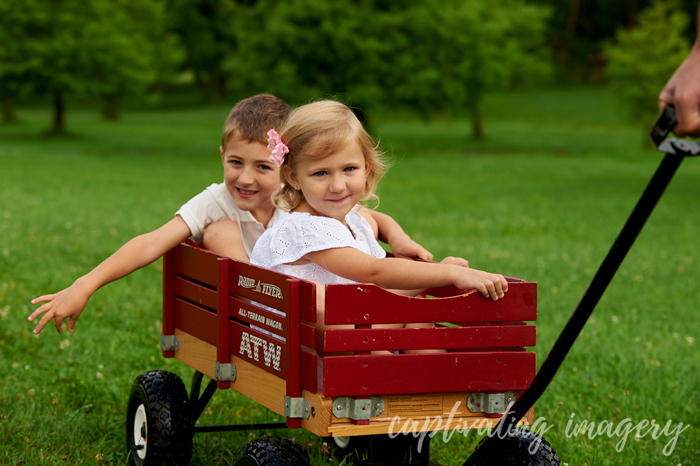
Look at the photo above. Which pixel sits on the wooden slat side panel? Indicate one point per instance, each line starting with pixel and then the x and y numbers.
pixel 309 361
pixel 196 353
pixel 260 285
pixel 266 352
pixel 294 345
pixel 428 338
pixel 194 292
pixel 463 424
pixel 260 317
pixel 224 316
pixel 308 301
pixel 168 309
pixel 369 304
pixel 366 375
pixel 198 264
pixel 197 321
pixel 308 336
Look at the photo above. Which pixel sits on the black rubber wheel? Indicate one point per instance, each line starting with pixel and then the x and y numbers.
pixel 523 448
pixel 356 447
pixel 272 451
pixel 158 426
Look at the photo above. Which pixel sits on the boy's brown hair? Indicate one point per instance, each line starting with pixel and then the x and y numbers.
pixel 252 118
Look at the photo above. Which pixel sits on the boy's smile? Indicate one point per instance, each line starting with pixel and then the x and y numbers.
pixel 250 177
pixel 332 186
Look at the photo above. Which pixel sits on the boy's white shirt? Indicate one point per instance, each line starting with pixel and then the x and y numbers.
pixel 216 203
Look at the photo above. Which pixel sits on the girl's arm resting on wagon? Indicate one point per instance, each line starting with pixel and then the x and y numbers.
pixel 68 304
pixel 355 265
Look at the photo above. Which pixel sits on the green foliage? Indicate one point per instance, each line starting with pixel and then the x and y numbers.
pixel 97 48
pixel 643 58
pixel 208 31
pixel 577 30
pixel 428 55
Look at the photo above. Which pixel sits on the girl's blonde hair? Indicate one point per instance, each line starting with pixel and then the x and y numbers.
pixel 320 129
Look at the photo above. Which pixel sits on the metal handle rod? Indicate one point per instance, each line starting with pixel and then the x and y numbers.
pixel 585 308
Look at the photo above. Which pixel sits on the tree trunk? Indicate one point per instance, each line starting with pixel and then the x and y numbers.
pixel 59 125
pixel 111 109
pixel 216 87
pixel 572 20
pixel 569 38
pixel 8 109
pixel 474 104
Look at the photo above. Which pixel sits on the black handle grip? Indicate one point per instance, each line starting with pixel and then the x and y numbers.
pixel 667 120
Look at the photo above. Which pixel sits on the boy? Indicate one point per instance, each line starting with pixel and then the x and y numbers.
pixel 244 198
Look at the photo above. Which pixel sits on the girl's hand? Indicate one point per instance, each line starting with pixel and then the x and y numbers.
pixel 490 285
pixel 405 247
pixel 66 304
pixel 458 261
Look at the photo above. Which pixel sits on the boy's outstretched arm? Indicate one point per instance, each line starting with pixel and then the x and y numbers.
pixel 68 304
pixel 402 245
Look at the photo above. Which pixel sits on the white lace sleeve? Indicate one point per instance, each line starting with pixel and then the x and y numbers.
pixel 301 233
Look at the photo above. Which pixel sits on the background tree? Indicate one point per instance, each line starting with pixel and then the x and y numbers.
pixel 577 30
pixel 129 51
pixel 207 29
pixel 642 58
pixel 98 48
pixel 426 55
pixel 464 50
pixel 17 20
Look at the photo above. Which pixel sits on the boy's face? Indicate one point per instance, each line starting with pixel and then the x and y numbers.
pixel 250 177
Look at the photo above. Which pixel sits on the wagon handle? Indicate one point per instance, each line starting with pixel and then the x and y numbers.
pixel 675 150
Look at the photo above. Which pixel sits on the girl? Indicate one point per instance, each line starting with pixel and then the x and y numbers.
pixel 328 164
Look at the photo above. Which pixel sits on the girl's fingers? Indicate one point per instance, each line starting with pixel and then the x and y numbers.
pixel 481 287
pixel 491 289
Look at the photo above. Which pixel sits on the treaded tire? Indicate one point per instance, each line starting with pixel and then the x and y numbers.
pixel 514 450
pixel 272 451
pixel 158 427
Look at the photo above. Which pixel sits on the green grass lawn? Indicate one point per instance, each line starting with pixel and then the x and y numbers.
pixel 542 197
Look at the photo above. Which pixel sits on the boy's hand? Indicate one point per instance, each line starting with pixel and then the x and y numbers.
pixel 490 285
pixel 66 305
pixel 406 248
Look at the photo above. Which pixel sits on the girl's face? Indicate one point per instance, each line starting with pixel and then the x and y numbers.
pixel 332 185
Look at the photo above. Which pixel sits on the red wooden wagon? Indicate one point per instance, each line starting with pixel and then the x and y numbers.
pixel 340 382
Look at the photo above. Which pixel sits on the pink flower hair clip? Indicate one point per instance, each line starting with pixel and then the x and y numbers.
pixel 278 148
